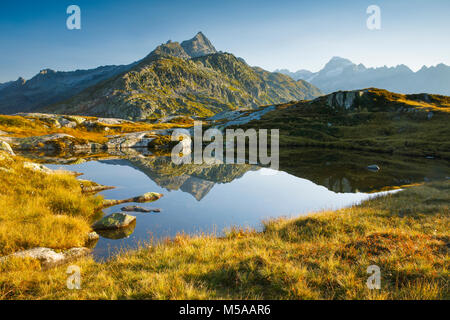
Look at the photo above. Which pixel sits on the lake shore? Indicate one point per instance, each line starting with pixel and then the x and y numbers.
pixel 321 256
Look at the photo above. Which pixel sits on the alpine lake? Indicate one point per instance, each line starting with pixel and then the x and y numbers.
pixel 211 198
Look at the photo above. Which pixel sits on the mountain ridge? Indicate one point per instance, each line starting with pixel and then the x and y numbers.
pixel 169 81
pixel 191 78
pixel 343 74
pixel 49 86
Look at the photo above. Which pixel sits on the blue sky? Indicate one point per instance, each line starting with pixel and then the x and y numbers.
pixel 291 34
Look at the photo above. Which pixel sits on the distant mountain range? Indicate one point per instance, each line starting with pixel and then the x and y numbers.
pixel 190 78
pixel 343 74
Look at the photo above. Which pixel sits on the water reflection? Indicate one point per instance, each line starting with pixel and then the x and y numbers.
pixel 209 198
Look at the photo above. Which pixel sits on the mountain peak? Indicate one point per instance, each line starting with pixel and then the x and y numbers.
pixel 168 49
pixel 198 46
pixel 338 62
pixel 47 71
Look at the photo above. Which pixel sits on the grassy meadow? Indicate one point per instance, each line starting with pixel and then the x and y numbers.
pixel 41 210
pixel 321 256
pixel 382 122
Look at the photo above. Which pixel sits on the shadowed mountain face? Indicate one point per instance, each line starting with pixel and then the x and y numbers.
pixel 50 86
pixel 342 74
pixel 169 82
pixel 190 78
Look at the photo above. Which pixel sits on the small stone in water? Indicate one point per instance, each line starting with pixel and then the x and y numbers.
pixel 139 209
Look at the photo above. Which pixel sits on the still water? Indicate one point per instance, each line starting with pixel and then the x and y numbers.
pixel 206 199
pixel 211 198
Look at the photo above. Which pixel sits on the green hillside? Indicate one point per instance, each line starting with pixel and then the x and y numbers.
pixel 169 81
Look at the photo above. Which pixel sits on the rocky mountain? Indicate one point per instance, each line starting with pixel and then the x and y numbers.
pixel 343 74
pixel 198 46
pixel 50 86
pixel 190 78
pixel 297 75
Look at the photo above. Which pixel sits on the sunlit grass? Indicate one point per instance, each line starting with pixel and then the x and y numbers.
pixel 322 256
pixel 18 126
pixel 41 210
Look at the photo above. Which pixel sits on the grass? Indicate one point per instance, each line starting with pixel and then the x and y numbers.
pixel 41 210
pixel 321 256
pixel 18 126
pixel 381 121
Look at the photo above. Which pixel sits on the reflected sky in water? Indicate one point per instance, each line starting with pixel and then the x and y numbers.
pixel 244 202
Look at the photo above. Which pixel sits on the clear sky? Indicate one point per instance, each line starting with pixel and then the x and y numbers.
pixel 292 34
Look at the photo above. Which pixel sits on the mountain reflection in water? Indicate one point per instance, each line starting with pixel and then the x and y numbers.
pixel 209 198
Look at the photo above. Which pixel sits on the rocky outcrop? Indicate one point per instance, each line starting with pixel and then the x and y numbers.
pixel 53 142
pixel 66 142
pixel 131 140
pixel 49 258
pixel 114 221
pixel 43 169
pixel 344 99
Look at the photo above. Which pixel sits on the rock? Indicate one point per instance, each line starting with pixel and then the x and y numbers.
pixel 92 239
pixel 139 209
pixel 48 141
pixel 43 169
pixel 119 233
pixel 63 122
pixel 48 257
pixel 114 221
pixel 92 236
pixel 37 167
pixel 373 167
pixel 349 99
pixel 77 119
pixel 147 197
pixel 112 121
pixel 92 187
pixel 4 146
pixel 131 140
pixel 340 99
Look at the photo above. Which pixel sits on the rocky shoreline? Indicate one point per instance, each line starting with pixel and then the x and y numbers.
pixel 48 257
pixel 63 141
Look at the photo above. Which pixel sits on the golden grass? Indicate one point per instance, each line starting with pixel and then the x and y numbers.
pixel 18 126
pixel 43 210
pixel 322 256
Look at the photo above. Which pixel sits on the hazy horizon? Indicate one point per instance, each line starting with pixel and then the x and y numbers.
pixel 285 34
